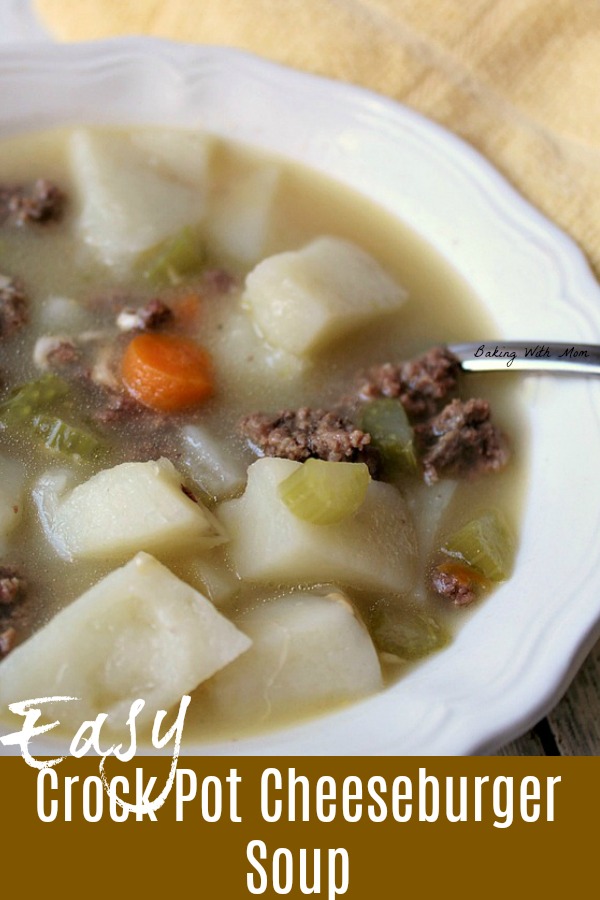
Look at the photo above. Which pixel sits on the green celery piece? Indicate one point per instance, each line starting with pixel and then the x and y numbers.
pixel 177 256
pixel 386 421
pixel 404 632
pixel 486 544
pixel 61 437
pixel 28 408
pixel 32 397
pixel 324 493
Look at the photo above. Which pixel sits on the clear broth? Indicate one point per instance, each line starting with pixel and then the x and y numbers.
pixel 441 309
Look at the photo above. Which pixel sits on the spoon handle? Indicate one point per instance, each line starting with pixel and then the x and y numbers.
pixel 493 356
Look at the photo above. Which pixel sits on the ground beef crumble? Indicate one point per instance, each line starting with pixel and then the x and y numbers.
pixel 56 352
pixel 13 306
pixel 307 433
pixel 12 586
pixel 13 613
pixel 153 315
pixel 461 441
pixel 152 435
pixel 43 202
pixel 422 385
pixel 457 584
pixel 217 281
pixel 117 407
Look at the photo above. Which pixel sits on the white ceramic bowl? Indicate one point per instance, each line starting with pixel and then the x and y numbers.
pixel 511 661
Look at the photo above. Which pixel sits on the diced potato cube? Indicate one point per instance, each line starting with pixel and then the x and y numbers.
pixel 212 575
pixel 138 633
pixel 429 504
pixel 12 480
pixel 245 365
pixel 133 506
pixel 241 214
pixel 177 155
pixel 211 464
pixel 59 313
pixel 308 651
pixel 129 204
pixel 374 548
pixel 301 300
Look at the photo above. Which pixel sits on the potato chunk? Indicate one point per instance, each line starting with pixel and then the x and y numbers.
pixel 181 156
pixel 244 366
pixel 131 199
pixel 374 548
pixel 133 506
pixel 138 633
pixel 211 463
pixel 301 300
pixel 308 652
pixel 213 576
pixel 241 215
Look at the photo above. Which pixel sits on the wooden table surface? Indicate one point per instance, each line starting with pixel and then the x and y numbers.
pixel 573 726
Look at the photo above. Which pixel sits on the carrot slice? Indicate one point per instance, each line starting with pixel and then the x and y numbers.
pixel 187 308
pixel 167 373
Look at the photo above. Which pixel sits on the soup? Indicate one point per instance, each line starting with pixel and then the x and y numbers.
pixel 237 460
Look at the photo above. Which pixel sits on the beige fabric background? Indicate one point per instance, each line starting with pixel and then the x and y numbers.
pixel 518 79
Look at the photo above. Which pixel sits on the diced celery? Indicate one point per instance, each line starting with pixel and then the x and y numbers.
pixel 324 493
pixel 29 407
pixel 180 255
pixel 67 439
pixel 404 632
pixel 32 397
pixel 484 543
pixel 391 434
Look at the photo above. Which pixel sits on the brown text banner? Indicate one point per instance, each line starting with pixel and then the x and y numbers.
pixel 352 827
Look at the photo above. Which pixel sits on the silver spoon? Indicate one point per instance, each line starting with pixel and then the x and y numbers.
pixel 493 356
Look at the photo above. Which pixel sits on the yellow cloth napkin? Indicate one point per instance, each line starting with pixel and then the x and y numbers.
pixel 518 79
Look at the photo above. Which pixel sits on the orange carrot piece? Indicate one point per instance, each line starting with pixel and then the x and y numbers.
pixel 187 308
pixel 167 373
